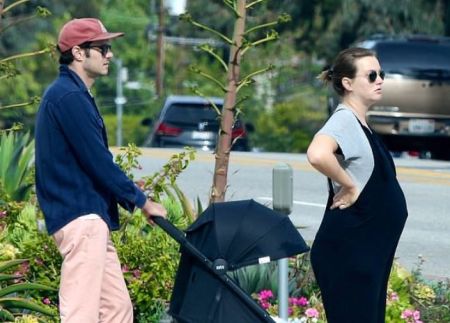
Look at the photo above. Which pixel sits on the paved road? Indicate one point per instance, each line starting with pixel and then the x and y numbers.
pixel 426 184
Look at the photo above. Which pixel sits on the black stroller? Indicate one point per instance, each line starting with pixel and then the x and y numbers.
pixel 225 237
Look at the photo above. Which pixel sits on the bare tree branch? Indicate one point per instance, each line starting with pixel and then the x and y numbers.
pixel 39 52
pixel 13 5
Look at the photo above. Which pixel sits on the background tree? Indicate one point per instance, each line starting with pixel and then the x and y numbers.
pixel 241 41
pixel 317 31
pixel 10 60
pixel 18 86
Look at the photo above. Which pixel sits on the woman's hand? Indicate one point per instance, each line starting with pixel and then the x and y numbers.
pixel 345 197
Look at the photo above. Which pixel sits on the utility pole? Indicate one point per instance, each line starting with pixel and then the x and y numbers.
pixel 120 100
pixel 160 52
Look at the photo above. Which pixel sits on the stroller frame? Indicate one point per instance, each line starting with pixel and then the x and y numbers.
pixel 217 267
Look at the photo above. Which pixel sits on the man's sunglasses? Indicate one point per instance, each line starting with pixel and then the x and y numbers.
pixel 103 49
pixel 372 76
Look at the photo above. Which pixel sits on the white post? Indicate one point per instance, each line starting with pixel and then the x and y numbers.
pixel 283 201
pixel 120 100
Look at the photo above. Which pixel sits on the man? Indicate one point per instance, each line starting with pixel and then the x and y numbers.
pixel 78 184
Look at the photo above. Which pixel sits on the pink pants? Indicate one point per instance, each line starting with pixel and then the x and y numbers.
pixel 92 288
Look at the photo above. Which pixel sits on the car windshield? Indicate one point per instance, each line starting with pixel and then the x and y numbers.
pixel 427 60
pixel 191 113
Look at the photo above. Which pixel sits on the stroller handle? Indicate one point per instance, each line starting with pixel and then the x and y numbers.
pixel 169 228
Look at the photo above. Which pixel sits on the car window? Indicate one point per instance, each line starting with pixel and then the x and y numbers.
pixel 191 113
pixel 417 59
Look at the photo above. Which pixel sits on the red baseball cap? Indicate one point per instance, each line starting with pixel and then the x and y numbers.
pixel 79 31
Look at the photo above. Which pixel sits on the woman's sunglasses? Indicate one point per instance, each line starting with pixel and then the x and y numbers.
pixel 103 49
pixel 372 76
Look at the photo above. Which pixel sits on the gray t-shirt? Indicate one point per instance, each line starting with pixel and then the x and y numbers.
pixel 357 157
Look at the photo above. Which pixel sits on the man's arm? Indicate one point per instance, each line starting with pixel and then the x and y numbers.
pixel 82 127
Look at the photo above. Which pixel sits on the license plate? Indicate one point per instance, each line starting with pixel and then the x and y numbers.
pixel 421 126
pixel 201 135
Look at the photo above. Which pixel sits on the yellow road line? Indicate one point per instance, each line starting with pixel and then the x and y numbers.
pixel 403 173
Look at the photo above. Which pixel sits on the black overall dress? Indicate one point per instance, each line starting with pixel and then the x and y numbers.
pixel 354 248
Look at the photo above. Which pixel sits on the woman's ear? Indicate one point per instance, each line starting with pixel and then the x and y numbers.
pixel 347 83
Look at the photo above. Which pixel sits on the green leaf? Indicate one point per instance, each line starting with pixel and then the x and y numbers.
pixel 11 263
pixel 7 277
pixel 6 316
pixel 23 287
pixel 16 153
pixel 20 303
pixel 6 150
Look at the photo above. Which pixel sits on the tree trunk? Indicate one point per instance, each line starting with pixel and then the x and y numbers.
pixel 2 3
pixel 224 144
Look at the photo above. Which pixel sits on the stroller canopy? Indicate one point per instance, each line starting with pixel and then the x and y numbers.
pixel 229 235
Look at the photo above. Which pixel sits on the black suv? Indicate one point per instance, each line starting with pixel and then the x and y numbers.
pixel 192 121
pixel 414 113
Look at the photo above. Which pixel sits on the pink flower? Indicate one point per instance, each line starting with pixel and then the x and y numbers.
pixel 46 301
pixel 393 297
pixel 412 316
pixel 265 305
pixel 125 269
pixel 136 273
pixel 2 214
pixel 39 261
pixel 22 271
pixel 18 277
pixel 312 312
pixel 265 294
pixel 406 314
pixel 302 301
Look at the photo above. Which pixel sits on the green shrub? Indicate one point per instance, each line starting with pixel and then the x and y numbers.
pixel 132 129
pixel 289 126
pixel 432 298
pixel 16 153
pixel 17 293
pixel 409 294
pixel 255 278
pixel 149 259
pixel 44 259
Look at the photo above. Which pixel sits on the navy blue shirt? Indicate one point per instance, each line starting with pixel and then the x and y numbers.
pixel 75 171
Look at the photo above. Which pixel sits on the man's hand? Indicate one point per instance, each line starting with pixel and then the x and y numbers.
pixel 153 209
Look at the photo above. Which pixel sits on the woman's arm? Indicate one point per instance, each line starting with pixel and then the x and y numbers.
pixel 321 155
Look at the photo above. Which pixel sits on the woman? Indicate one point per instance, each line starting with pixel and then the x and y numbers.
pixel 354 248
